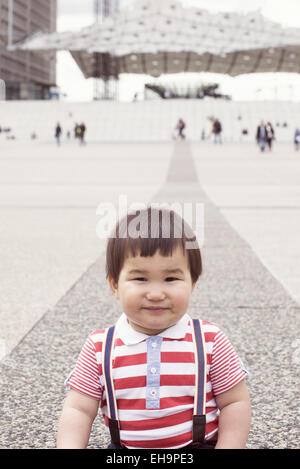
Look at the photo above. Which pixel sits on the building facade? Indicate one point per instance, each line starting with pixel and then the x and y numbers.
pixel 106 7
pixel 27 75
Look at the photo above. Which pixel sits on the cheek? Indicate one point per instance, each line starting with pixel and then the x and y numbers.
pixel 181 296
pixel 130 295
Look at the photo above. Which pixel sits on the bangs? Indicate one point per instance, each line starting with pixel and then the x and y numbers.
pixel 146 232
pixel 146 247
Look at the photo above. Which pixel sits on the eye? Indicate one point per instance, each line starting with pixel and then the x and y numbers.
pixel 171 279
pixel 140 279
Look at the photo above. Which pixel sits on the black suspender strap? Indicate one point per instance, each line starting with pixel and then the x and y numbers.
pixel 199 417
pixel 113 422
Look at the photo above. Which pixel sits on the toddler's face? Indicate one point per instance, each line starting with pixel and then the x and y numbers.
pixel 154 292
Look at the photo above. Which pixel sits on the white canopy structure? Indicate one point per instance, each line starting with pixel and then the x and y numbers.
pixel 160 37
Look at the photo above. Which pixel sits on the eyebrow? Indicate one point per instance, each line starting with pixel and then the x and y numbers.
pixel 169 271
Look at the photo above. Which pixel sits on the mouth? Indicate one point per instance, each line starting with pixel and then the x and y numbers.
pixel 156 308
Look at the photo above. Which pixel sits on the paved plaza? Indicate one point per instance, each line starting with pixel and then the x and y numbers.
pixel 53 291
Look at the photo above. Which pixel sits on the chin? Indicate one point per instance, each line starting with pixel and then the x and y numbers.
pixel 158 327
pixel 150 327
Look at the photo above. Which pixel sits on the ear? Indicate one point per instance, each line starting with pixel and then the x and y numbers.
pixel 113 286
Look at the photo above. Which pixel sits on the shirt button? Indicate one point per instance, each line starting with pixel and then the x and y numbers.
pixel 153 370
pixel 154 344
pixel 153 392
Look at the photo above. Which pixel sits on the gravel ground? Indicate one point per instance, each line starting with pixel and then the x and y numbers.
pixel 236 292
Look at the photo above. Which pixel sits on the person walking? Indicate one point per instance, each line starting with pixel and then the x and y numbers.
pixel 82 133
pixel 217 131
pixel 180 128
pixel 58 132
pixel 76 130
pixel 270 135
pixel 297 139
pixel 261 136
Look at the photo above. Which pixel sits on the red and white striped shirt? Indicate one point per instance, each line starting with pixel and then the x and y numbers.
pixel 169 424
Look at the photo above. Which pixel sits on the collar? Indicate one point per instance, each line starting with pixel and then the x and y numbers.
pixel 130 336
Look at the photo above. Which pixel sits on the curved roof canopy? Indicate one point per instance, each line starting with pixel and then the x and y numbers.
pixel 162 37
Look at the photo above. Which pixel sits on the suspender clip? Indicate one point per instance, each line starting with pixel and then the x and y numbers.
pixel 114 429
pixel 199 424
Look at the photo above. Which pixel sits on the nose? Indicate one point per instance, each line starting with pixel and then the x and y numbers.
pixel 155 293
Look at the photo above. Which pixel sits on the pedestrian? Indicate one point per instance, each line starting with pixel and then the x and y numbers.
pixel 180 128
pixel 261 136
pixel 270 135
pixel 160 378
pixel 217 131
pixel 77 130
pixel 58 132
pixel 297 139
pixel 82 131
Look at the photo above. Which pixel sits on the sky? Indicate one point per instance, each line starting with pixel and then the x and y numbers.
pixel 75 14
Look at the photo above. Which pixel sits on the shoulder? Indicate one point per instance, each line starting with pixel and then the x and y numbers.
pixel 98 337
pixel 95 340
pixel 210 330
pixel 209 327
pixel 215 338
pixel 92 350
pixel 213 331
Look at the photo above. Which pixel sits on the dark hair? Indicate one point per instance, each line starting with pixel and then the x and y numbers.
pixel 156 229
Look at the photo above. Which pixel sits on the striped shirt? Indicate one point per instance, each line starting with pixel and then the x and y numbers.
pixel 154 380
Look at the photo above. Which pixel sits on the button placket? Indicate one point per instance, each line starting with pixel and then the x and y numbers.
pixel 153 372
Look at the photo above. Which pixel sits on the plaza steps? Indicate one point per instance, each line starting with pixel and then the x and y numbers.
pixel 147 121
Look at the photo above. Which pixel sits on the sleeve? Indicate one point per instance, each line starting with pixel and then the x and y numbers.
pixel 226 369
pixel 85 376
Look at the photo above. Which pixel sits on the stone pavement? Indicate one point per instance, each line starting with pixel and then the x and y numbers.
pixel 50 210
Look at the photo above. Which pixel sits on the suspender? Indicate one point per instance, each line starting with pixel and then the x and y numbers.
pixel 199 418
pixel 113 422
